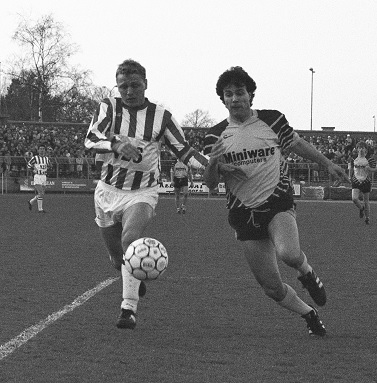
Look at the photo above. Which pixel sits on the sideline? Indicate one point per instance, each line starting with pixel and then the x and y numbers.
pixel 192 197
pixel 7 348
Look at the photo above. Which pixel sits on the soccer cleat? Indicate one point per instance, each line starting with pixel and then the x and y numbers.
pixel 312 283
pixel 178 210
pixel 367 221
pixel 183 209
pixel 313 323
pixel 142 289
pixel 30 205
pixel 127 319
pixel 361 212
pixel 42 211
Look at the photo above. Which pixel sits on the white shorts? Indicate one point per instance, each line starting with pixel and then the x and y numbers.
pixel 110 203
pixel 40 179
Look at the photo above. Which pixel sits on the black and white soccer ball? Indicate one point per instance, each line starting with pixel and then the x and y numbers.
pixel 146 258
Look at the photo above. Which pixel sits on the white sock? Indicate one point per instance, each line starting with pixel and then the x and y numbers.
pixel 293 303
pixel 130 291
pixel 40 203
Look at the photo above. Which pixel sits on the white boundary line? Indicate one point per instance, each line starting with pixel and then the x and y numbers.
pixel 7 348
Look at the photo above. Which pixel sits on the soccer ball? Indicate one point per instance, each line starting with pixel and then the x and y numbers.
pixel 146 258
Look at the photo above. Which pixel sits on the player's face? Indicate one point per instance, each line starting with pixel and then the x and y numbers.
pixel 237 101
pixel 362 151
pixel 42 151
pixel 132 89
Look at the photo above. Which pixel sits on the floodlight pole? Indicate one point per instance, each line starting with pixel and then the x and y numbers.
pixel 311 100
pixel 0 88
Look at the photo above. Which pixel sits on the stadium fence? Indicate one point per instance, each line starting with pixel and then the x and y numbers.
pixel 70 174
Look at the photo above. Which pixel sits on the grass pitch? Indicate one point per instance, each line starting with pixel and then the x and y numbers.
pixel 205 320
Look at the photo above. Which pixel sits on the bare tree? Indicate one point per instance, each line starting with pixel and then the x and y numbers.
pixel 198 119
pixel 46 54
pixel 98 93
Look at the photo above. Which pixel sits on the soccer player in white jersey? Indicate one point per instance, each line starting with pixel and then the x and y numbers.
pixel 259 194
pixel 127 131
pixel 39 164
pixel 180 175
pixel 360 169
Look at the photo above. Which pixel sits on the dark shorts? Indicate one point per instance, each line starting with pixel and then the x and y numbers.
pixel 180 182
pixel 252 224
pixel 364 187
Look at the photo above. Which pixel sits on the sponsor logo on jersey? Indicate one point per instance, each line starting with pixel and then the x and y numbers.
pixel 246 157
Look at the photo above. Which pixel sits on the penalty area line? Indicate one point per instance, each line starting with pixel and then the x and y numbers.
pixel 7 348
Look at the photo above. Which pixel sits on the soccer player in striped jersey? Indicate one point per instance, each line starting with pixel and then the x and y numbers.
pixel 128 132
pixel 360 169
pixel 249 145
pixel 39 165
pixel 180 175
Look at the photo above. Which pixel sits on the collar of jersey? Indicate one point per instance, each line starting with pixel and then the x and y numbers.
pixel 252 118
pixel 143 106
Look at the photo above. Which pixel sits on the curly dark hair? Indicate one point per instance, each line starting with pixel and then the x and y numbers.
pixel 362 144
pixel 129 66
pixel 238 76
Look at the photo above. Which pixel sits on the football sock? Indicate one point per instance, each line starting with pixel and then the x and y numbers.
pixel 293 303
pixel 130 291
pixel 304 268
pixel 40 203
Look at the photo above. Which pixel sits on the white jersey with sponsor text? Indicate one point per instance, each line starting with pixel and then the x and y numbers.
pixel 256 147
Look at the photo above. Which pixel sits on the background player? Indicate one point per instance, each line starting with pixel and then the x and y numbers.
pixel 360 169
pixel 259 193
pixel 39 164
pixel 180 175
pixel 128 131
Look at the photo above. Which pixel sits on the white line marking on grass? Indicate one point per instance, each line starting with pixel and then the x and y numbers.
pixel 7 348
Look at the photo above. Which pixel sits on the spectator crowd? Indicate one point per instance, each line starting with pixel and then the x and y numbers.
pixel 66 142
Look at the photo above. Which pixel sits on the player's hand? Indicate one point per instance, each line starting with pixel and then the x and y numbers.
pixel 232 171
pixel 369 169
pixel 192 184
pixel 125 148
pixel 218 149
pixel 338 173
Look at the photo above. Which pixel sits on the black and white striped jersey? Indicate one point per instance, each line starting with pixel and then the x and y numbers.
pixel 146 127
pixel 39 164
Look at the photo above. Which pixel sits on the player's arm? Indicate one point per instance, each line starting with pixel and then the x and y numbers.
pixel 30 166
pixel 211 175
pixel 306 150
pixel 371 167
pixel 216 167
pixel 176 141
pixel 350 169
pixel 97 139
